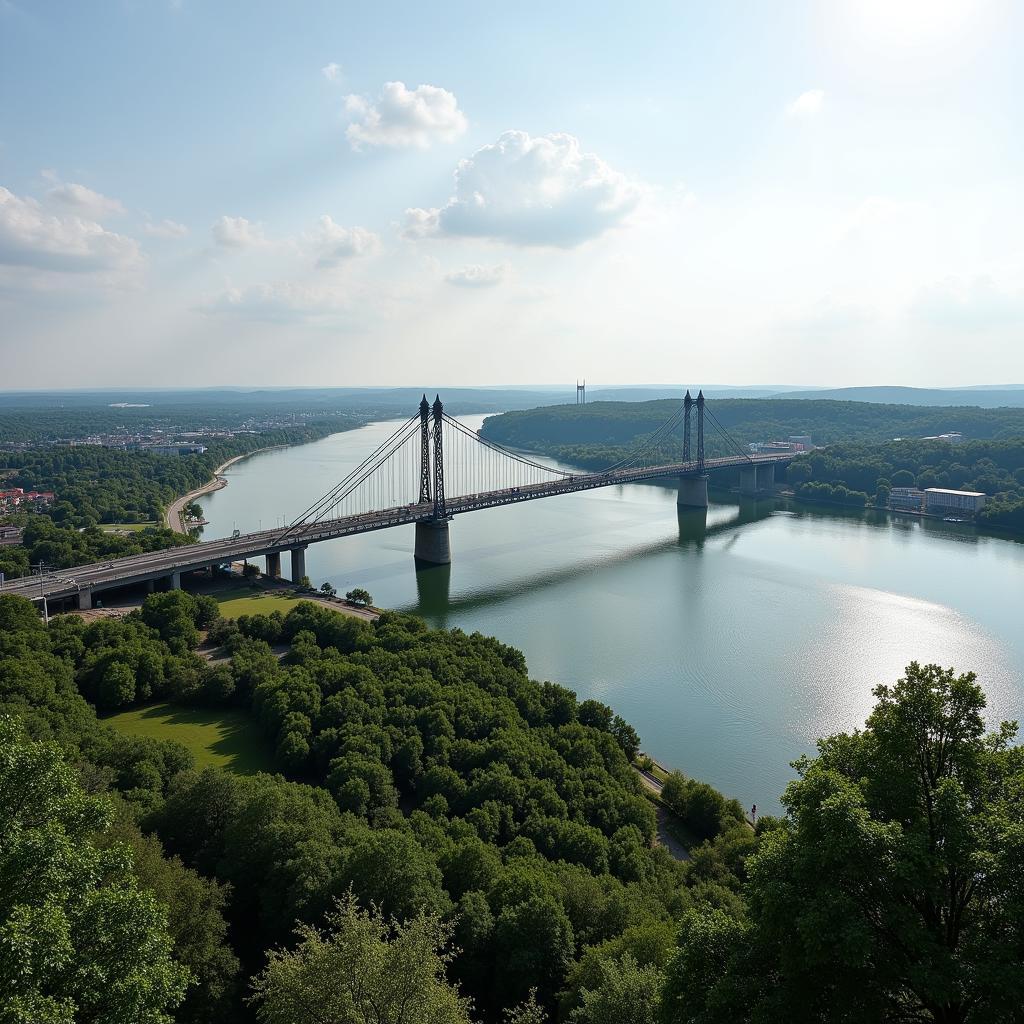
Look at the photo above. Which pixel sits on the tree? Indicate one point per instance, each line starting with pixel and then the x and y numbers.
pixel 304 583
pixel 78 939
pixel 362 969
pixel 328 589
pixel 359 596
pixel 250 570
pixel 894 890
pixel 627 994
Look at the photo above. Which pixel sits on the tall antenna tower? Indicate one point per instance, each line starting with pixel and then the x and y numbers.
pixel 581 392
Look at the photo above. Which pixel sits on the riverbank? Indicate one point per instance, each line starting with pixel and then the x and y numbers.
pixel 173 518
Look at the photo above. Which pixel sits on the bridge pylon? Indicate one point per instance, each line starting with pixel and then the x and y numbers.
pixel 424 450
pixel 433 546
pixel 693 487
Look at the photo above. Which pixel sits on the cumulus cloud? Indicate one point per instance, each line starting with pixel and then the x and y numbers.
pixel 84 201
pixel 402 117
pixel 332 72
pixel 335 244
pixel 530 191
pixel 807 104
pixel 237 233
pixel 475 275
pixel 165 229
pixel 32 237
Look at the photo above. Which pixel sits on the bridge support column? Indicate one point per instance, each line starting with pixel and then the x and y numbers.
pixel 274 565
pixel 85 599
pixel 693 491
pixel 298 564
pixel 748 480
pixel 766 477
pixel 150 586
pixel 432 545
pixel 174 581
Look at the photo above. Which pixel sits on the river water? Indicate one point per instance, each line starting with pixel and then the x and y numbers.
pixel 730 646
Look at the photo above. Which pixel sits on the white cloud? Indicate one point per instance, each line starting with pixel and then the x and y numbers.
pixel 282 302
pixel 84 201
pixel 475 275
pixel 531 191
pixel 165 229
pixel 404 117
pixel 32 237
pixel 807 104
pixel 237 233
pixel 335 244
pixel 332 72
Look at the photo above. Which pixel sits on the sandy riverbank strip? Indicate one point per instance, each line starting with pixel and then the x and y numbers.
pixel 173 515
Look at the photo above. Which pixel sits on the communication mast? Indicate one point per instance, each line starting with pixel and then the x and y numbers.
pixel 581 393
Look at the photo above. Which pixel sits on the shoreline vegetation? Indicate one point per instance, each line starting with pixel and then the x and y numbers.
pixel 862 458
pixel 419 779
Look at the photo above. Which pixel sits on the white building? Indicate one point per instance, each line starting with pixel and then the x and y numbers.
pixel 939 500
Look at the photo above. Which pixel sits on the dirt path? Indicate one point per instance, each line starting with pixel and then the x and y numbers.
pixel 173 515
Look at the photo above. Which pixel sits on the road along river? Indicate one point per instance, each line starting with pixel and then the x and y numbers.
pixel 730 649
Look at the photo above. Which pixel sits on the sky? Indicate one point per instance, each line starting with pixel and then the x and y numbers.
pixel 202 192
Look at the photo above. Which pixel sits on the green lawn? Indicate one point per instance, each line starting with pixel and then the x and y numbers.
pixel 246 601
pixel 126 527
pixel 221 738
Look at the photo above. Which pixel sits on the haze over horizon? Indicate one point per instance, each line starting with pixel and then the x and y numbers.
pixel 259 195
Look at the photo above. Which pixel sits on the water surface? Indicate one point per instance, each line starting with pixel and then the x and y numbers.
pixel 730 646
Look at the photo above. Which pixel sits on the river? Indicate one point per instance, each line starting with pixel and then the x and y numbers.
pixel 729 647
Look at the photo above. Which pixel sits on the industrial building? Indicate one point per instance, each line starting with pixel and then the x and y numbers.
pixel 906 499
pixel 939 500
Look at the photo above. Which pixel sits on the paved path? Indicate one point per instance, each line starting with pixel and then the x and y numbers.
pixel 665 837
pixel 173 514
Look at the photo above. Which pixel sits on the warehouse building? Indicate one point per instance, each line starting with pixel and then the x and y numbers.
pixel 938 500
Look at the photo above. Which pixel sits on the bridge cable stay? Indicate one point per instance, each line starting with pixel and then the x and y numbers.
pixel 358 476
pixel 729 439
pixel 650 445
pixel 475 465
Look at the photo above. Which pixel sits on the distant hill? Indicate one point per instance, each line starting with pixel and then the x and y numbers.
pixel 1010 396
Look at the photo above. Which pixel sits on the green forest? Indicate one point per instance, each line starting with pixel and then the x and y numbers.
pixel 860 474
pixel 859 466
pixel 449 841
pixel 596 435
pixel 95 485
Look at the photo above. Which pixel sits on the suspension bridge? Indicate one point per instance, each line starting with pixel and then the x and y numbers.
pixel 429 470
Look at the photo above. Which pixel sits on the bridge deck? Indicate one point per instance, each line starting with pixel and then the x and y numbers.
pixel 137 569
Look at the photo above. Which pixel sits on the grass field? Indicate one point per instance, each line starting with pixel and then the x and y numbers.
pixel 126 527
pixel 221 738
pixel 247 601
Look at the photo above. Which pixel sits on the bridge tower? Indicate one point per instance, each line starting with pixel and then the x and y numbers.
pixel 688 411
pixel 424 451
pixel 581 392
pixel 432 544
pixel 693 486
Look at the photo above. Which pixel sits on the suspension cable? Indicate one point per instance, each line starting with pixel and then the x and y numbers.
pixel 362 472
pixel 725 433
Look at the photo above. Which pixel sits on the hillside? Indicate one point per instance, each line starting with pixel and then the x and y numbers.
pixel 596 434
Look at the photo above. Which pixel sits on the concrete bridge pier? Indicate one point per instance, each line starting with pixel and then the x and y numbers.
pixel 432 544
pixel 766 476
pixel 274 565
pixel 85 599
pixel 748 480
pixel 298 563
pixel 174 581
pixel 693 491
